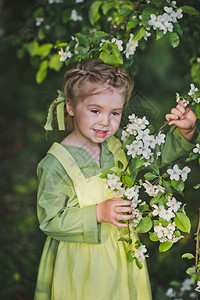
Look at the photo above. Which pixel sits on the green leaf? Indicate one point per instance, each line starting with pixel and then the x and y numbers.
pixel 106 7
pixel 157 2
pixel 159 34
pixel 189 10
pixel 197 112
pixel 42 72
pixel 129 256
pixel 192 156
pixel 127 181
pixel 105 173
pixel 182 222
pixel 98 36
pixel 178 29
pixel 32 47
pixel 132 23
pixel 128 241
pixel 153 236
pixel 188 255
pixel 82 38
pixel 155 169
pixel 144 225
pixel 138 263
pixel 165 246
pixel 167 186
pixel 139 33
pixel 173 39
pixel 44 50
pixel 178 185
pixel 94 14
pixel 150 176
pixel 150 9
pixel 190 271
pixel 139 162
pixel 197 186
pixel 55 63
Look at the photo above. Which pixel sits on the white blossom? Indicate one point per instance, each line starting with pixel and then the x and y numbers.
pixel 118 43
pixel 193 89
pixel 75 17
pixel 173 204
pixel 198 287
pixel 160 138
pixel 131 46
pixel 197 148
pixel 184 173
pixel 131 193
pixel 139 254
pixel 39 21
pixel 160 230
pixel 79 1
pixel 64 54
pixel 174 173
pixel 103 41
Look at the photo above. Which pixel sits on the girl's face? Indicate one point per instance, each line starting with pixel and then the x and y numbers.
pixel 97 117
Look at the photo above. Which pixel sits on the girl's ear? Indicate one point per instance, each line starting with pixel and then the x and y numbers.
pixel 70 107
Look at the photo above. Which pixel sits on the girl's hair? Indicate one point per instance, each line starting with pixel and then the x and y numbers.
pixel 88 78
pixel 94 77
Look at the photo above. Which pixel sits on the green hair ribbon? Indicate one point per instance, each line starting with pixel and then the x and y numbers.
pixel 60 110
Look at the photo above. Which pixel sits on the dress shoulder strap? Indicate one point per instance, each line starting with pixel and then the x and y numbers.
pixel 114 146
pixel 67 161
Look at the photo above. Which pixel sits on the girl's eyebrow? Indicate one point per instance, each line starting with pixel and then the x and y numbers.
pixel 99 106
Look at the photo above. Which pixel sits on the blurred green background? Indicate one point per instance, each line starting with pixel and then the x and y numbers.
pixel 161 72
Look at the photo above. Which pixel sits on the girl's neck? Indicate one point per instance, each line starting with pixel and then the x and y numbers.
pixel 94 149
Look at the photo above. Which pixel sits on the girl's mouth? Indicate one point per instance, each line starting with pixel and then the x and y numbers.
pixel 100 133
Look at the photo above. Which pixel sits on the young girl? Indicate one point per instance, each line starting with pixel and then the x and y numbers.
pixel 82 258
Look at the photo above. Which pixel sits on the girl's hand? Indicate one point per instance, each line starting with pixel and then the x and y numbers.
pixel 111 210
pixel 184 119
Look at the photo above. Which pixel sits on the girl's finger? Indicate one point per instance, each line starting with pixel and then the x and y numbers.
pixel 171 117
pixel 180 108
pixel 123 209
pixel 124 217
pixel 177 112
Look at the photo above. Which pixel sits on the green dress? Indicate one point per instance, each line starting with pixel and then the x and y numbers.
pixel 83 259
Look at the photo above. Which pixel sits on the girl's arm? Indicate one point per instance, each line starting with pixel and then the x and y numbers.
pixel 60 216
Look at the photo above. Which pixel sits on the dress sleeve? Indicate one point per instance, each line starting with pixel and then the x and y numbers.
pixel 59 213
pixel 176 146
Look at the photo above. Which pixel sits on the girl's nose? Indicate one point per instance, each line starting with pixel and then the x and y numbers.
pixel 104 121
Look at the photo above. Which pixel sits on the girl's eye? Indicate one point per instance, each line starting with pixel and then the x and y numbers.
pixel 95 111
pixel 115 114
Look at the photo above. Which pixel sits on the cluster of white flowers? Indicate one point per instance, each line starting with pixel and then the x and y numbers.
pixel 197 149
pixel 144 143
pixel 114 41
pixel 191 92
pixel 131 46
pixel 39 21
pixel 55 1
pixel 194 99
pixel 186 287
pixel 114 183
pixel 176 173
pixel 75 17
pixel 140 253
pixel 64 54
pixel 165 21
pixel 152 190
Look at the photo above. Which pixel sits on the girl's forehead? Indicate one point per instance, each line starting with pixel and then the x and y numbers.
pixel 110 98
